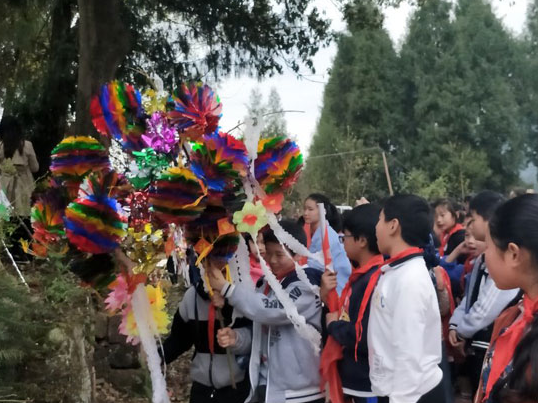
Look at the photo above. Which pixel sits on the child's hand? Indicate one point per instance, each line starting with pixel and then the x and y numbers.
pixel 328 283
pixel 217 300
pixel 453 338
pixel 331 317
pixel 226 337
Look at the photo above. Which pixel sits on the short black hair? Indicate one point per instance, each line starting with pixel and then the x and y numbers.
pixel 485 203
pixel 361 221
pixel 291 227
pixel 415 218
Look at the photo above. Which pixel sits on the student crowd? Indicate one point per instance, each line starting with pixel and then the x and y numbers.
pixel 427 296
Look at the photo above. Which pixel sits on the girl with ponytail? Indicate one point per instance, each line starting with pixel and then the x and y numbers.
pixel 510 372
pixel 341 263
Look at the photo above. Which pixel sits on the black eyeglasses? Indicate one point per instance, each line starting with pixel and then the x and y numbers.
pixel 343 237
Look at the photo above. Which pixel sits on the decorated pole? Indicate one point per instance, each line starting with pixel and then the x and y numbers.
pixel 147 331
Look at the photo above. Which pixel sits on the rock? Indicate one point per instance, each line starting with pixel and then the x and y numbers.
pixel 127 380
pixel 123 356
pixel 101 326
pixel 100 360
pixel 114 335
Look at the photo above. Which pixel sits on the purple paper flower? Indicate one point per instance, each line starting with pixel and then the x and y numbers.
pixel 160 135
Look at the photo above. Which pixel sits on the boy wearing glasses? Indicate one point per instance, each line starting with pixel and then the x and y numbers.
pixel 360 244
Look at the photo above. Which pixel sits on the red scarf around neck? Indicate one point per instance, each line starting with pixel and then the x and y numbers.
pixel 333 351
pixel 446 237
pixel 506 343
pixel 370 289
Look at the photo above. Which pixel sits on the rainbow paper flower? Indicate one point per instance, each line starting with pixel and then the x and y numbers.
pixel 278 164
pixel 251 219
pixel 95 222
pixel 196 111
pixel 117 112
pixel 219 161
pixel 73 159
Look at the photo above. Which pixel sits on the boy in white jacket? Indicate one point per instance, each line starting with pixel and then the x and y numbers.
pixel 404 331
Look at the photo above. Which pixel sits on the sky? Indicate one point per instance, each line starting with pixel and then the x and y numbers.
pixel 306 94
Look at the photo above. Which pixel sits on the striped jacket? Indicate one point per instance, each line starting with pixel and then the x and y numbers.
pixel 482 304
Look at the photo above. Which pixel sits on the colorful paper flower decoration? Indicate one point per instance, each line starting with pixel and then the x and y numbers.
pixel 273 202
pixel 73 159
pixel 47 219
pixel 160 134
pixel 278 164
pixel 117 112
pixel 213 235
pixel 160 317
pixel 251 218
pixel 94 222
pixel 196 111
pixel 219 161
pixel 177 196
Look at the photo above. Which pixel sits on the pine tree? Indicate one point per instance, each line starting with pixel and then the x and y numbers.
pixel 360 113
pixel 275 121
pixel 460 97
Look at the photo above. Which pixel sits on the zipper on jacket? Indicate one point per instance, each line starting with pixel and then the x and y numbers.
pixel 268 361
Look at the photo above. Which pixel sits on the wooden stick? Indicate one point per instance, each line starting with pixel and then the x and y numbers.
pixel 228 351
pixel 387 173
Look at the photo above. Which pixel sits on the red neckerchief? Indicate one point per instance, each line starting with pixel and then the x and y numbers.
pixel 467 268
pixel 370 289
pixel 280 277
pixel 355 275
pixel 303 259
pixel 211 328
pixel 507 342
pixel 446 237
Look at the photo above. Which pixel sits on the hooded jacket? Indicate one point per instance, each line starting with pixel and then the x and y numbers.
pixel 190 327
pixel 293 366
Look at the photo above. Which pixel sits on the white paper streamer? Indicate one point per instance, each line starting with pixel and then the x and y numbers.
pixel 305 330
pixel 253 129
pixel 293 244
pixel 322 226
pixel 240 265
pixel 147 331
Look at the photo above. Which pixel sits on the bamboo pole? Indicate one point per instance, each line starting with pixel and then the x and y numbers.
pixel 387 173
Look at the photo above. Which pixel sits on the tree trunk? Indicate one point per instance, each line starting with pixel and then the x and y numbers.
pixel 59 83
pixel 103 44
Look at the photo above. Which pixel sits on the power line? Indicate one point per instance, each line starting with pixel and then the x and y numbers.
pixel 345 153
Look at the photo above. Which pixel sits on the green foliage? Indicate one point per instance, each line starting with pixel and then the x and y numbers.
pixel 20 327
pixel 39 50
pixel 360 115
pixel 460 91
pixel 418 182
pixel 454 111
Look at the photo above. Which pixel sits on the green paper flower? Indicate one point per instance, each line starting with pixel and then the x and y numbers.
pixel 251 218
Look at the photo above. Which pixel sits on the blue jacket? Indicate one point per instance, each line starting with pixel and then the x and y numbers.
pixel 341 263
pixel 454 269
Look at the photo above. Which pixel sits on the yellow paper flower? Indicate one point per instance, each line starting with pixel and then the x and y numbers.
pixel 251 218
pixel 161 319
